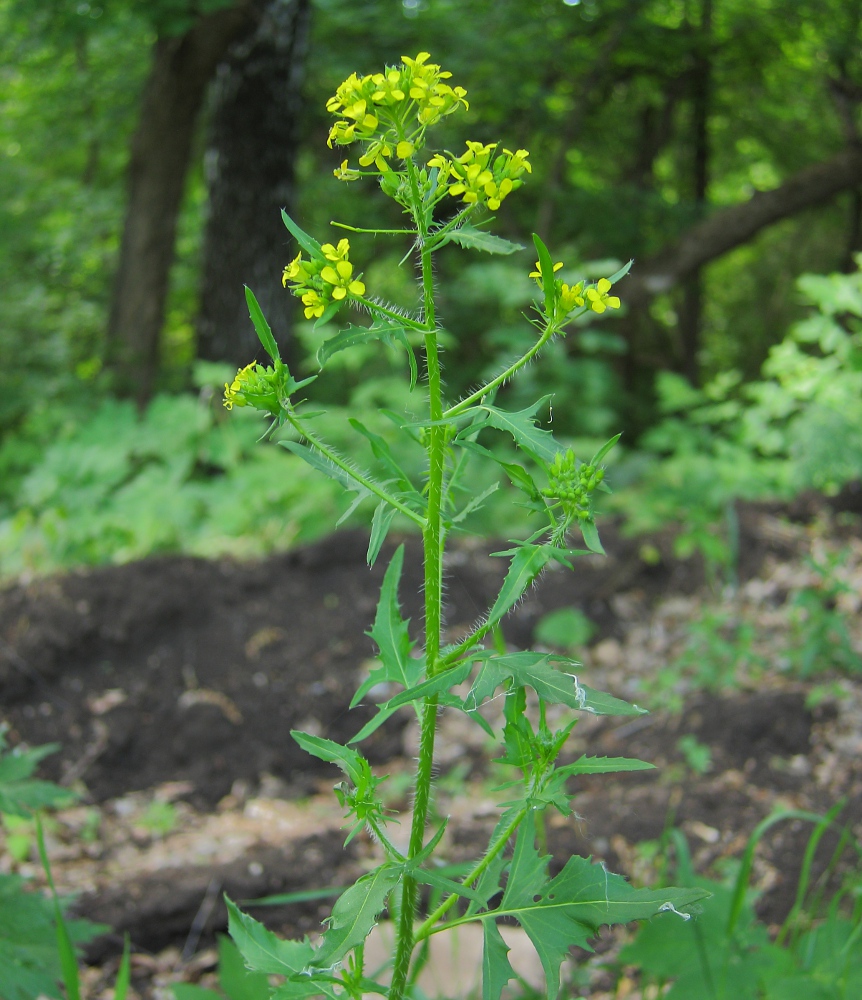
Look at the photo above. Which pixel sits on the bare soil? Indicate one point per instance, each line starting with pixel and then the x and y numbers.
pixel 172 684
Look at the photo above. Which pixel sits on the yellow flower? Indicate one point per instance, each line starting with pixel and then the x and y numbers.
pixel 571 297
pixel 314 304
pixel 537 274
pixel 340 252
pixel 599 298
pixel 342 280
pixel 479 177
pixel 233 391
pixel 295 271
pixel 345 173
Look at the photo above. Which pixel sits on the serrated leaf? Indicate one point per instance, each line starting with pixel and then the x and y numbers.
pixel 262 950
pixel 317 461
pixel 527 563
pixel 348 760
pixel 522 479
pixel 601 703
pixel 437 684
pixel 569 909
pixel 496 968
pixel 352 336
pixel 474 504
pixel 261 327
pixel 355 913
pixel 538 443
pixel 390 631
pixel 442 682
pixel 308 243
pixel 605 448
pixel 546 266
pixel 548 675
pixel 380 525
pixel 603 765
pixel 472 238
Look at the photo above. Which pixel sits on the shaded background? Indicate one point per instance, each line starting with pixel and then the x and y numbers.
pixel 147 147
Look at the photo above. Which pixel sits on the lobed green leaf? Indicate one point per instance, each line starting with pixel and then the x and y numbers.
pixel 350 761
pixel 262 950
pixel 355 913
pixel 471 238
pixel 538 443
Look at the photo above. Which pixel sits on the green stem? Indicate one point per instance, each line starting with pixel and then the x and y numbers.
pixel 475 397
pixel 377 232
pixel 433 547
pixel 438 237
pixel 333 457
pixel 375 307
pixel 494 849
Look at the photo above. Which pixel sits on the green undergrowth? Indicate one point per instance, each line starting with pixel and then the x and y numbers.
pixel 728 953
pixel 799 427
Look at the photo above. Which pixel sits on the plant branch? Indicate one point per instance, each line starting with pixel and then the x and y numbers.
pixel 336 460
pixel 476 396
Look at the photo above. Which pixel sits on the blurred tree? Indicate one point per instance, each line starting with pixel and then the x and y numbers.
pixel 249 167
pixel 191 40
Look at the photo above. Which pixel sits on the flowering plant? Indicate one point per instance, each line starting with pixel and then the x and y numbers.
pixel 388 115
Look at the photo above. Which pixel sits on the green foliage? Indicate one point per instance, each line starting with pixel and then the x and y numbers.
pixel 727 952
pixel 37 942
pixel 235 981
pixel 118 486
pixel 567 628
pixel 799 427
pixel 390 114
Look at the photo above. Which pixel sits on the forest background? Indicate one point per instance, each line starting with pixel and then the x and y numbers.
pixel 146 149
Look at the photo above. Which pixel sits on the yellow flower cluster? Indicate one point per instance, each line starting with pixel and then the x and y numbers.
pixel 571 297
pixel 257 386
pixel 390 111
pixel 478 176
pixel 321 281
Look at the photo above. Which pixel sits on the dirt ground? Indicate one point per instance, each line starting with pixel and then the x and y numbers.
pixel 172 684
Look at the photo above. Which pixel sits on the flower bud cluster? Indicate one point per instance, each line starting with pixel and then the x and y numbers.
pixel 572 484
pixel 257 386
pixel 571 297
pixel 323 280
pixel 390 111
pixel 480 177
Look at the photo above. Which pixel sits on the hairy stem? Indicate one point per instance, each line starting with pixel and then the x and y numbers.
pixel 433 547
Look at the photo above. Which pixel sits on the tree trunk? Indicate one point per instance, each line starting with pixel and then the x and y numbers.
pixel 182 67
pixel 250 174
pixel 690 314
pixel 730 227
